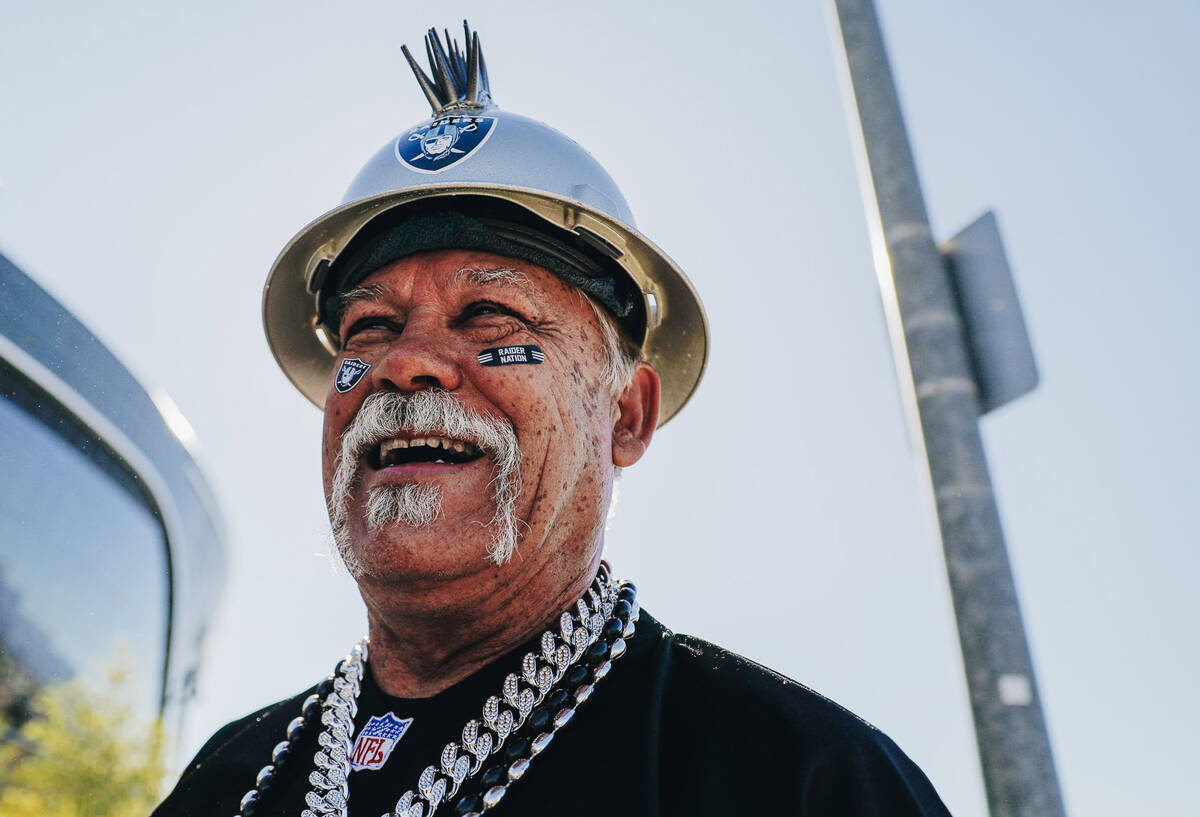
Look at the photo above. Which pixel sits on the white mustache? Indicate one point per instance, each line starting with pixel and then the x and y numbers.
pixel 384 415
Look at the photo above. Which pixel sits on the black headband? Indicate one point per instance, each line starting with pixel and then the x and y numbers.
pixel 492 225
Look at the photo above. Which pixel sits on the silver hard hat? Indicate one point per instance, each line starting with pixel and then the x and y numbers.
pixel 470 155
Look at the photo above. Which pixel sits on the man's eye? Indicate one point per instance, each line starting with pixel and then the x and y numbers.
pixel 483 309
pixel 367 324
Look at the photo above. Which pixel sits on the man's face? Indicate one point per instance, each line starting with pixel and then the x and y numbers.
pixel 420 323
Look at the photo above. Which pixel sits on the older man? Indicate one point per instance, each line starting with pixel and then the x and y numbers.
pixel 490 340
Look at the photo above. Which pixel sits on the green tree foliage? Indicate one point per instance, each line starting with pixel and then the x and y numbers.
pixel 84 754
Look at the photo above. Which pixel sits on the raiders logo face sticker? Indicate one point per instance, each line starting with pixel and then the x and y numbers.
pixel 351 372
pixel 433 146
pixel 508 355
pixel 376 741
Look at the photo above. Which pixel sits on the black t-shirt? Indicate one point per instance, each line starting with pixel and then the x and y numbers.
pixel 678 727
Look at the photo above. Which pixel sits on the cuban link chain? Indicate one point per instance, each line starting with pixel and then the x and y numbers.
pixel 331 777
pixel 593 631
pixel 502 715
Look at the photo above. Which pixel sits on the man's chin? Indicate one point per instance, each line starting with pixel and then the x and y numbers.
pixel 396 552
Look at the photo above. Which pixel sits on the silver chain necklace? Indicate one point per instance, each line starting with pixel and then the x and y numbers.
pixel 552 683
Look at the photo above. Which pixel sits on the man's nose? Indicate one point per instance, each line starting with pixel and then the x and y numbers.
pixel 420 358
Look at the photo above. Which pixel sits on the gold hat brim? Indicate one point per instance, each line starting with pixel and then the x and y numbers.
pixel 676 342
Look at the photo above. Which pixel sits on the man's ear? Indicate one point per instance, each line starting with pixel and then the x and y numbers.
pixel 637 417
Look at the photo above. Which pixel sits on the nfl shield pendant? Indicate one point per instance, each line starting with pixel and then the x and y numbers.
pixel 377 740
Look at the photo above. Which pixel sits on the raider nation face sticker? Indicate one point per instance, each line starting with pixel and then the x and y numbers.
pixel 508 355
pixel 351 372
pixel 377 740
pixel 433 146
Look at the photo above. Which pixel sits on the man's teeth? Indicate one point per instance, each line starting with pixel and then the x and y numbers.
pixel 443 443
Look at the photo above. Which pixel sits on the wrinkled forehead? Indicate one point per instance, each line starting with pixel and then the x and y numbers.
pixel 453 273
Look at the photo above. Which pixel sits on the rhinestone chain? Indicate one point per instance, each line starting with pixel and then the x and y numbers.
pixel 599 658
pixel 331 778
pixel 335 703
pixel 593 632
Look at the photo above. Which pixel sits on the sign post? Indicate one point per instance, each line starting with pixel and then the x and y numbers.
pixel 967 351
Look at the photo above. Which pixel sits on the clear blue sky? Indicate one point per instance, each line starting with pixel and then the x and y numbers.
pixel 153 161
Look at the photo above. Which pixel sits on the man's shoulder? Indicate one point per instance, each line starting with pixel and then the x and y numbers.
pixel 726 718
pixel 721 677
pixel 231 758
pixel 264 726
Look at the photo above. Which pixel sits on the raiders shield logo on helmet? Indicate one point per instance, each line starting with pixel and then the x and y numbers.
pixel 433 146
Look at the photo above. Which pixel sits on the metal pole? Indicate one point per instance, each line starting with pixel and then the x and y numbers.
pixel 927 327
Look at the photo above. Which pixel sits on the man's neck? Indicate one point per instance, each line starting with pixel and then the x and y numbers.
pixel 426 641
